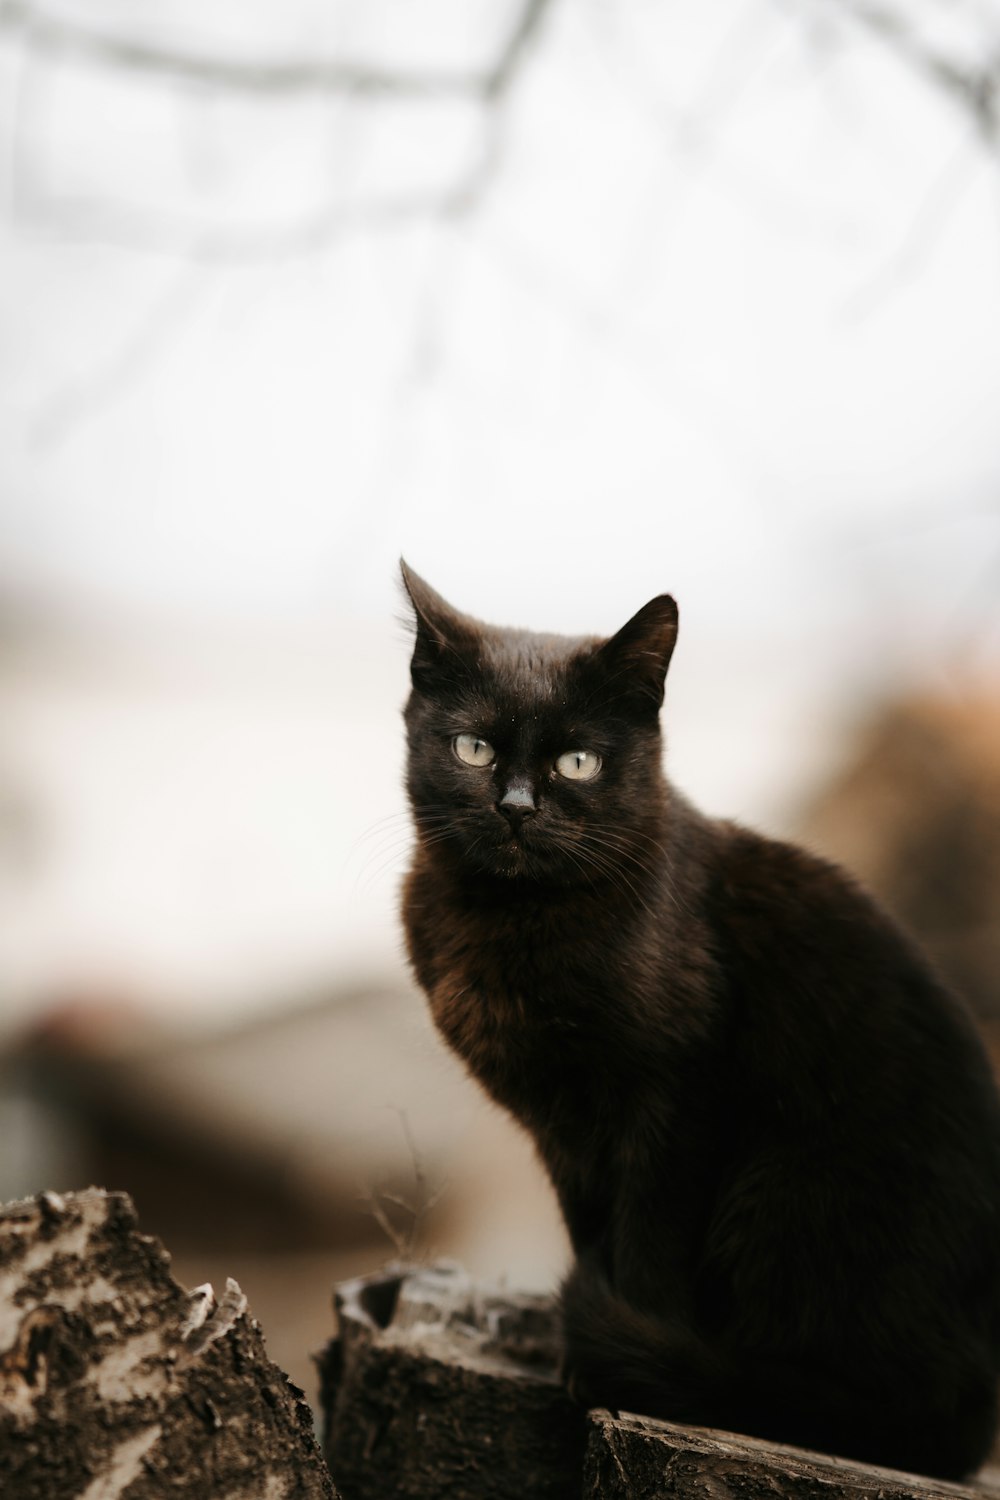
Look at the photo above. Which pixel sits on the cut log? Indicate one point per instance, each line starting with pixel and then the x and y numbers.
pixel 637 1458
pixel 437 1389
pixel 115 1382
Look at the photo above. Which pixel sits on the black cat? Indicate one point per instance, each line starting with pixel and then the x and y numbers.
pixel 774 1135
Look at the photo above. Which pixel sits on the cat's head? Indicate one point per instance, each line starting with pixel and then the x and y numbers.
pixel 536 756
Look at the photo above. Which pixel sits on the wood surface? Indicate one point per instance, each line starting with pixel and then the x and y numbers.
pixel 116 1384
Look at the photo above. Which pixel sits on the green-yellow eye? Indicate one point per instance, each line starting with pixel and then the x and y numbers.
pixel 472 750
pixel 578 765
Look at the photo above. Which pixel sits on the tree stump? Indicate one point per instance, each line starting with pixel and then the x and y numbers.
pixel 114 1382
pixel 437 1389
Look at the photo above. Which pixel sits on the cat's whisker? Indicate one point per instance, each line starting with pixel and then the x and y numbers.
pixel 376 868
pixel 632 840
pixel 617 842
pixel 392 837
pixel 379 827
pixel 616 877
pixel 620 853
pixel 617 862
pixel 382 861
pixel 393 817
pixel 584 855
pixel 383 839
pixel 610 855
pixel 590 837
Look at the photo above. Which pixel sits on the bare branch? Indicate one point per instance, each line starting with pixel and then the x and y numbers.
pixel 155 234
pixel 976 88
pixel 58 34
pixel 524 33
pixel 302 75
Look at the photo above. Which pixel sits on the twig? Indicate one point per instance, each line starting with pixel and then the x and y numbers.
pixel 419 1176
pixel 399 1242
pixel 404 1243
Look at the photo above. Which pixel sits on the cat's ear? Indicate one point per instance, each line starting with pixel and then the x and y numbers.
pixel 636 659
pixel 443 636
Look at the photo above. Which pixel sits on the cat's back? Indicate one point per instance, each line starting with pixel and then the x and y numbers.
pixel 838 1022
pixel 870 1142
pixel 779 905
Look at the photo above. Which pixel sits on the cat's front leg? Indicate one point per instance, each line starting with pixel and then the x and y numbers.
pixel 586 1213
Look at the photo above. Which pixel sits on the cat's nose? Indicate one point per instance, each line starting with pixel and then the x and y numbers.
pixel 517 803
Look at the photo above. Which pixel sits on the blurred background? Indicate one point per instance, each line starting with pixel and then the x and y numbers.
pixel 571 304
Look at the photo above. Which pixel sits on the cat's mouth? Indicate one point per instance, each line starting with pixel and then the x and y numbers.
pixel 523 852
pixel 512 848
pixel 512 859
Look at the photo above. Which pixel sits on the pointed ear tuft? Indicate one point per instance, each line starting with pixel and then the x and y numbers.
pixel 639 655
pixel 442 633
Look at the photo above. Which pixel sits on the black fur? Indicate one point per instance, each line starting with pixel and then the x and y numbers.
pixel 773 1134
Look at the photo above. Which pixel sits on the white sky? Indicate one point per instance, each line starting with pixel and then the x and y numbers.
pixel 726 321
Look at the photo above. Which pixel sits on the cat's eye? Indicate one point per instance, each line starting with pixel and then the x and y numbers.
pixel 578 765
pixel 472 750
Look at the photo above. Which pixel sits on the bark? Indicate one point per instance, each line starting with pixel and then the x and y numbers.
pixel 637 1458
pixel 115 1382
pixel 438 1388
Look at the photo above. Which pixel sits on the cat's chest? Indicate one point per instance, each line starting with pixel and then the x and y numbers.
pixel 522 993
pixel 537 1045
pixel 513 992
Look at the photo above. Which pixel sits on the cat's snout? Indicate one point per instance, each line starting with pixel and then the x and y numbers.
pixel 514 814
pixel 517 802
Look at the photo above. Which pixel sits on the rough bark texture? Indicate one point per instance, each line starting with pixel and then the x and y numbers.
pixel 636 1458
pixel 114 1382
pixel 437 1388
